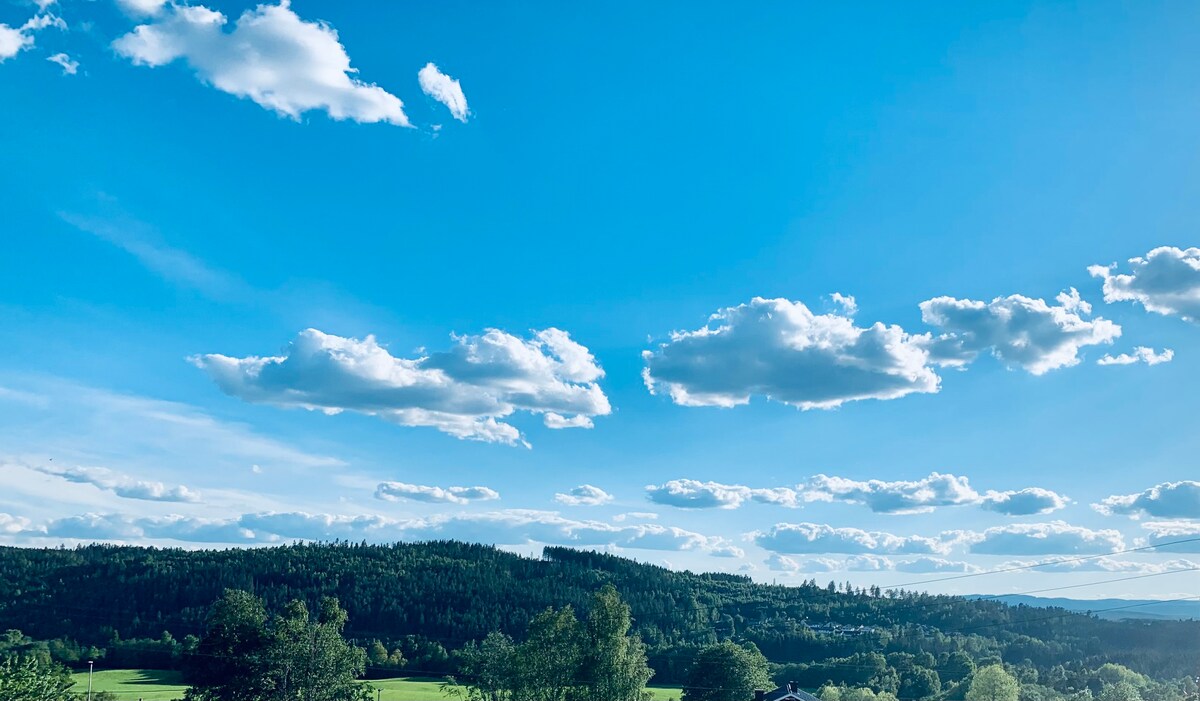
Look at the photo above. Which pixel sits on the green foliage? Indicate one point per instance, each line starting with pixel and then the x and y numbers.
pixel 246 656
pixel 33 679
pixel 993 683
pixel 726 672
pixel 561 659
pixel 146 608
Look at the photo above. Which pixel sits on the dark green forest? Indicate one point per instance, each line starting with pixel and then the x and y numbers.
pixel 413 607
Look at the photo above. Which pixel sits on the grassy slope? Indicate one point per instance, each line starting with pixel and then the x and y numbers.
pixel 152 685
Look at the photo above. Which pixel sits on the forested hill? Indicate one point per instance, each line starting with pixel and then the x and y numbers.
pixel 428 599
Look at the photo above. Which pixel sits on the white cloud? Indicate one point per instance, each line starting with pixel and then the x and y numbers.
pixel 1024 502
pixel 271 56
pixel 68 65
pixel 510 527
pixel 693 494
pixel 584 495
pixel 781 350
pixel 867 563
pixel 1166 281
pixel 1174 536
pixel 899 497
pixel 804 538
pixel 1020 331
pixel 1140 354
pixel 461 392
pixel 142 8
pixel 1166 500
pixel 1103 564
pixel 782 563
pixel 932 565
pixel 635 515
pixel 394 491
pixel 445 90
pixel 890 497
pixel 121 485
pixel 1053 538
pixel 11 525
pixel 14 40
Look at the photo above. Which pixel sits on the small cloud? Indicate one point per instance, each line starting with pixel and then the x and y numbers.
pixel 814 538
pixel 1020 331
pixel 272 57
pixel 142 8
pixel 122 485
pixel 584 495
pixel 781 350
pixel 1024 502
pixel 1140 354
pixel 1166 281
pixel 462 391
pixel 1054 538
pixel 445 90
pixel 394 491
pixel 14 40
pixel 69 66
pixel 1168 500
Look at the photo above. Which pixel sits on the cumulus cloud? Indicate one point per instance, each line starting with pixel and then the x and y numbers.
pixel 867 563
pixel 122 485
pixel 804 538
pixel 68 65
pixel 693 494
pixel 14 40
pixel 510 527
pixel 396 491
pixel 781 350
pixel 445 90
pixel 462 391
pixel 1024 502
pixel 584 495
pixel 11 525
pixel 1140 354
pixel 1020 331
pixel 1166 500
pixel 271 56
pixel 881 496
pixel 782 563
pixel 1103 564
pixel 1166 281
pixel 635 516
pixel 1174 536
pixel 933 565
pixel 1053 538
pixel 142 8
pixel 897 497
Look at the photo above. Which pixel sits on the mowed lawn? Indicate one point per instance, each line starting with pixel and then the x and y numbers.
pixel 154 685
pixel 133 684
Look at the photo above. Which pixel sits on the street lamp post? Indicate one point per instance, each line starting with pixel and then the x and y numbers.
pixel 91 664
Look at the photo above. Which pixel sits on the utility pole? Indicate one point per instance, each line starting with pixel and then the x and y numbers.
pixel 91 664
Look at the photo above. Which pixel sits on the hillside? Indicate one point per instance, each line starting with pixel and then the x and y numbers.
pixel 1126 609
pixel 428 599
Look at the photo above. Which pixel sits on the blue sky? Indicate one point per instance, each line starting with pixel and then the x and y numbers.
pixel 508 223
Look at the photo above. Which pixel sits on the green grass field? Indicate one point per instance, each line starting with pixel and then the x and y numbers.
pixel 153 685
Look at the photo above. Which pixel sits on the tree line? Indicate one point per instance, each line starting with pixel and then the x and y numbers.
pixel 417 607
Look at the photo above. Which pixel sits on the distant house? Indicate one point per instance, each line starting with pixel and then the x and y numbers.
pixel 788 692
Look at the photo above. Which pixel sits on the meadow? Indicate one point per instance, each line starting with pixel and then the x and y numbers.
pixel 155 685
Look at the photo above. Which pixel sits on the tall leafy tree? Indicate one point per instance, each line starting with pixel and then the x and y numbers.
pixel 229 664
pixel 547 663
pixel 613 665
pixel 246 656
pixel 34 678
pixel 993 683
pixel 726 672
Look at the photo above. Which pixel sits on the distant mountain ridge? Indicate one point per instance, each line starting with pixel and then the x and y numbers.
pixel 1125 609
